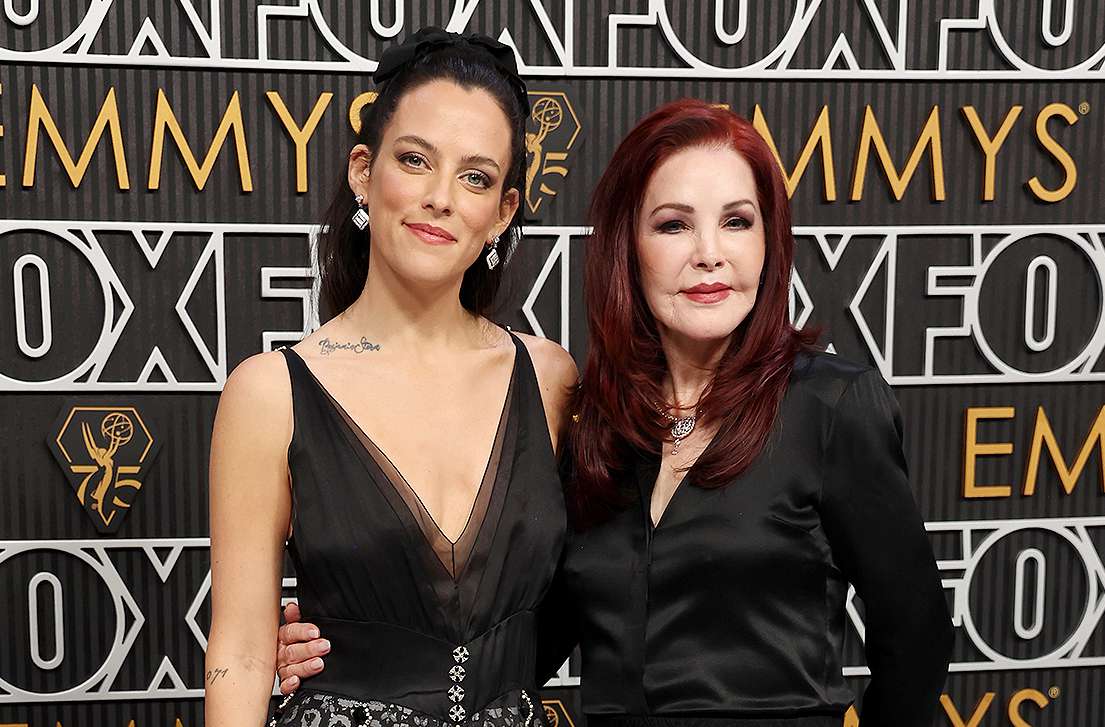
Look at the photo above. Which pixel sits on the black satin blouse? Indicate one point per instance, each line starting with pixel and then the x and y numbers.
pixel 733 605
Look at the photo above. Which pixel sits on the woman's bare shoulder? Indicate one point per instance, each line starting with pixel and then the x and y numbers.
pixel 260 375
pixel 555 367
pixel 257 396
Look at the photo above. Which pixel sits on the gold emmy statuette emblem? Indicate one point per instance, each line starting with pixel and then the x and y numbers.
pixel 554 128
pixel 556 714
pixel 101 449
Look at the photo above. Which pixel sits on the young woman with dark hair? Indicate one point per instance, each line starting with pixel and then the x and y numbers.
pixel 725 480
pixel 404 452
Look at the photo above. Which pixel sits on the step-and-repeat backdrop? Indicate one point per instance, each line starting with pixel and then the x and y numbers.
pixel 162 163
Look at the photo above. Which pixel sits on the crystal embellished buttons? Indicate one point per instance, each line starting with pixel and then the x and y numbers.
pixel 456 692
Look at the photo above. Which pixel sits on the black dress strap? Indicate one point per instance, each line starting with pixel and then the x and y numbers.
pixel 532 408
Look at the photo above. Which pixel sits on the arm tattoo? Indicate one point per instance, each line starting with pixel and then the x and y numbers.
pixel 213 675
pixel 327 347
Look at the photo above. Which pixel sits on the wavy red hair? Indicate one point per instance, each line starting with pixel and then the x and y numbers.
pixel 625 362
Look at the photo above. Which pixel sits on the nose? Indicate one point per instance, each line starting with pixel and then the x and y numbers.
pixel 438 195
pixel 707 251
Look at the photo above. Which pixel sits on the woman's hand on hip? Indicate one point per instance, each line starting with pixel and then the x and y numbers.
pixel 299 650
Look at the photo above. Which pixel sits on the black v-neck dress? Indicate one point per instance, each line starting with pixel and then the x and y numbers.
pixel 425 632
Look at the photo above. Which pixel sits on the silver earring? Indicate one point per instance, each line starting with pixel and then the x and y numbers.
pixel 360 217
pixel 492 257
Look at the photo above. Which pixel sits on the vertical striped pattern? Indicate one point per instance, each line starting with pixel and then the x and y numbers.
pixel 39 503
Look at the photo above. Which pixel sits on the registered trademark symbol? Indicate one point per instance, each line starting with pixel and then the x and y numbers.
pixel 1053 692
pixel 1084 108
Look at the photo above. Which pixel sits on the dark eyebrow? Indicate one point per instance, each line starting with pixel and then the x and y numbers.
pixel 427 146
pixel 677 206
pixel 680 207
pixel 740 203
pixel 417 141
pixel 480 159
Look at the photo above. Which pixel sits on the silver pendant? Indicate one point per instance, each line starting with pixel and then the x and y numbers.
pixel 682 428
pixel 492 258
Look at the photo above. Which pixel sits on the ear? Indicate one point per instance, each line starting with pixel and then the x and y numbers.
pixel 507 207
pixel 360 162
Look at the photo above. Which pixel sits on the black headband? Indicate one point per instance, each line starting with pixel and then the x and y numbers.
pixel 398 57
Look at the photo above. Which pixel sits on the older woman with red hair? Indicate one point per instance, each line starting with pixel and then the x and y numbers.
pixel 728 481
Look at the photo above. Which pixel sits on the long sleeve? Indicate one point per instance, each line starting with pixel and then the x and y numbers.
pixel 879 542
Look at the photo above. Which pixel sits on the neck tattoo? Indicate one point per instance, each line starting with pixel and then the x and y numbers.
pixel 327 347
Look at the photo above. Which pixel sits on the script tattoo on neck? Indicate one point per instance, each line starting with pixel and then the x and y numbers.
pixel 327 347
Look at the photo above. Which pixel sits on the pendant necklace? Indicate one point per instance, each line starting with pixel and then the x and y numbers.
pixel 681 427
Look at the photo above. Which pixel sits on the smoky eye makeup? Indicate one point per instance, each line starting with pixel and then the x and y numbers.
pixel 669 226
pixel 744 213
pixel 411 159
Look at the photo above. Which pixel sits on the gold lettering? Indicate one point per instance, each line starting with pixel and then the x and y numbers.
pixel 929 138
pixel 990 147
pixel 820 136
pixel 1050 144
pixel 974 449
pixel 299 136
pixel 979 712
pixel 108 118
pixel 1024 695
pixel 355 109
pixel 1043 434
pixel 231 121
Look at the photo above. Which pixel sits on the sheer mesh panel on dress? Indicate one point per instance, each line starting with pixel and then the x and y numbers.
pixel 453 556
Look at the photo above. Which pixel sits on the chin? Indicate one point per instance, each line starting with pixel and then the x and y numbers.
pixel 704 331
pixel 431 276
pixel 430 266
pixel 700 335
pixel 708 325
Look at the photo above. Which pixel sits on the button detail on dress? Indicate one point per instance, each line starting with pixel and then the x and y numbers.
pixel 456 713
pixel 456 692
pixel 457 673
pixel 460 654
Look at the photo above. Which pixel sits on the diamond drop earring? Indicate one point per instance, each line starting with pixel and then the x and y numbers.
pixel 360 216
pixel 492 257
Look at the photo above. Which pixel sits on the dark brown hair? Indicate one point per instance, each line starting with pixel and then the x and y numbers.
pixel 343 249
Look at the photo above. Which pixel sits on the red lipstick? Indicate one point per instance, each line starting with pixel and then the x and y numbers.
pixel 708 292
pixel 431 234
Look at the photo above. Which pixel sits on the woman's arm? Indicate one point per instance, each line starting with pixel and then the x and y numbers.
pixel 879 542
pixel 557 377
pixel 250 505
